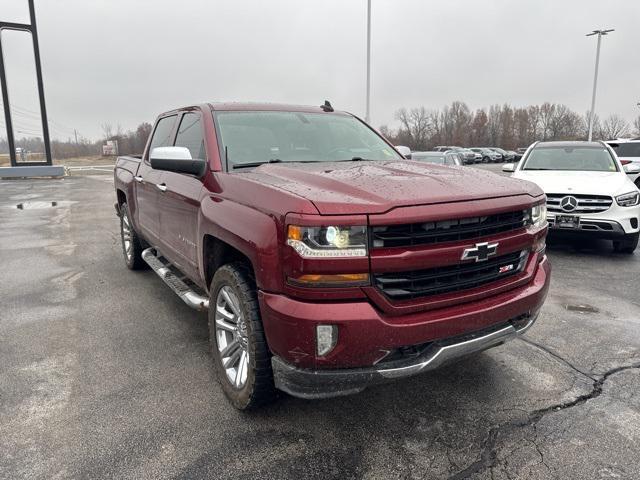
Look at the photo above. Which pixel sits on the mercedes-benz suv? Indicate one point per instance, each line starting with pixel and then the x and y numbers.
pixel 587 188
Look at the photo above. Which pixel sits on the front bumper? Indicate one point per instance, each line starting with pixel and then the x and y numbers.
pixel 368 336
pixel 315 384
pixel 612 223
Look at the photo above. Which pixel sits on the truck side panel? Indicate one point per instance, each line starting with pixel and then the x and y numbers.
pixel 255 236
pixel 127 168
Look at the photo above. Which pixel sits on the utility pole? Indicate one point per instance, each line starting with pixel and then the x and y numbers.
pixel 367 116
pixel 75 132
pixel 600 34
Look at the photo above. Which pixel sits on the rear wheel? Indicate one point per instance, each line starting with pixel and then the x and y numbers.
pixel 627 244
pixel 131 242
pixel 238 344
pixel 486 160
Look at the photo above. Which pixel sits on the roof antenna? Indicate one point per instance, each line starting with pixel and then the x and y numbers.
pixel 327 106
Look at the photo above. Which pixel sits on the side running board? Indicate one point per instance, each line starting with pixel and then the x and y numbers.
pixel 184 291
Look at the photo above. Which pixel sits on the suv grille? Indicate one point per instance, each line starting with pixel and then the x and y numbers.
pixel 585 203
pixel 452 278
pixel 447 230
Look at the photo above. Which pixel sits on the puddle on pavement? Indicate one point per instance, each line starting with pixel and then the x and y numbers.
pixel 581 308
pixel 38 205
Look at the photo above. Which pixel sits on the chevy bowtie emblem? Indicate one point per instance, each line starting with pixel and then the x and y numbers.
pixel 481 252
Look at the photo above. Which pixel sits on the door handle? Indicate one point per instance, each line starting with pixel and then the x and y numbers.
pixel 162 187
pixel 138 179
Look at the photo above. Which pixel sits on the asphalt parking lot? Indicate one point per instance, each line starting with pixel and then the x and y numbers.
pixel 105 373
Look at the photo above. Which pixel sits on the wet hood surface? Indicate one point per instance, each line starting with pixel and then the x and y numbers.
pixel 377 187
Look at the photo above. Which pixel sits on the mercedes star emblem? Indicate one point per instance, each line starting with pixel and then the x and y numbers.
pixel 569 203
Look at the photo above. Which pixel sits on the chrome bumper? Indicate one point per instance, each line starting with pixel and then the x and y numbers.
pixel 315 384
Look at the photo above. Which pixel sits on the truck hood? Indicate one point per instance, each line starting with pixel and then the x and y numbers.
pixel 337 188
pixel 588 183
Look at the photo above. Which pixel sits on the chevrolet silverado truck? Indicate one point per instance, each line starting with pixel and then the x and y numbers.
pixel 326 261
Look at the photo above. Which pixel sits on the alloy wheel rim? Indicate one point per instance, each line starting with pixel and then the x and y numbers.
pixel 232 338
pixel 127 240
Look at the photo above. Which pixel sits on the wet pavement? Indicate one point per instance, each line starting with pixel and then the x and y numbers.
pixel 105 373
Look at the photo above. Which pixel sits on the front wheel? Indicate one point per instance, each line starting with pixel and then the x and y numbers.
pixel 627 244
pixel 238 344
pixel 131 243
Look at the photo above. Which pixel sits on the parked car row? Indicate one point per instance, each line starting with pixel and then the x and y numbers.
pixel 484 154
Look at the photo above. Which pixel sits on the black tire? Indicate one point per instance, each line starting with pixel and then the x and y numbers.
pixel 627 244
pixel 259 388
pixel 132 258
pixel 486 160
pixel 638 183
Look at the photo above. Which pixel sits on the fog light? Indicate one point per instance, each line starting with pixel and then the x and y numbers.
pixel 326 339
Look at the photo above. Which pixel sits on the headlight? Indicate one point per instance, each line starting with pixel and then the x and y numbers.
pixel 628 199
pixel 329 241
pixel 538 215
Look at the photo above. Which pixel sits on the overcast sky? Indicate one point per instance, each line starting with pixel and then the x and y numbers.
pixel 125 61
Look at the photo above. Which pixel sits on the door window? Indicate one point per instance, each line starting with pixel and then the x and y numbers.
pixel 190 136
pixel 162 133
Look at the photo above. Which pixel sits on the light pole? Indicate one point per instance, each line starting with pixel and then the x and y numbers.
pixel 367 116
pixel 600 33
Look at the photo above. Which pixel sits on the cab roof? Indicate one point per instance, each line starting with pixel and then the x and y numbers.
pixel 267 107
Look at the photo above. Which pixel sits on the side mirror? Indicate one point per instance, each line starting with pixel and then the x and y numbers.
pixel 631 168
pixel 404 151
pixel 509 167
pixel 176 159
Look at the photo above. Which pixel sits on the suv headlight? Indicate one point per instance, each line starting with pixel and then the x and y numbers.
pixel 538 215
pixel 630 199
pixel 329 241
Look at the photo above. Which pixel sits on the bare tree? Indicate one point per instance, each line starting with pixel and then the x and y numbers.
pixel 501 125
pixel 415 125
pixel 479 132
pixel 460 117
pixel 613 127
pixel 107 130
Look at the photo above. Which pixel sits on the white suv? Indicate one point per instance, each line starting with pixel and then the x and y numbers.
pixel 628 151
pixel 588 189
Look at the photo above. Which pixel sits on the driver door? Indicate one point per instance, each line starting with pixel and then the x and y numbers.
pixel 148 180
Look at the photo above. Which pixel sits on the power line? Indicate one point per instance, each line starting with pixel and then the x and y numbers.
pixel 25 112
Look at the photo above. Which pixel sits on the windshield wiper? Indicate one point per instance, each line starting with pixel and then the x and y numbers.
pixel 537 169
pixel 256 164
pixel 354 159
pixel 273 160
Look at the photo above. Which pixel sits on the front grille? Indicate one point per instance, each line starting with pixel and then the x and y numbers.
pixel 585 203
pixel 452 278
pixel 447 230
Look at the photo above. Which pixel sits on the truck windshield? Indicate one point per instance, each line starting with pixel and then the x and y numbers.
pixel 590 159
pixel 251 138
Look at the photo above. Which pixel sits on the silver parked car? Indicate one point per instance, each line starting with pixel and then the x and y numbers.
pixel 449 157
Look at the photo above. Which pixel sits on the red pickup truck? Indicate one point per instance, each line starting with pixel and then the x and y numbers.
pixel 327 262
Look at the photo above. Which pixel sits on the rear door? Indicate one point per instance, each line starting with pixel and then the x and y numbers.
pixel 180 201
pixel 148 181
